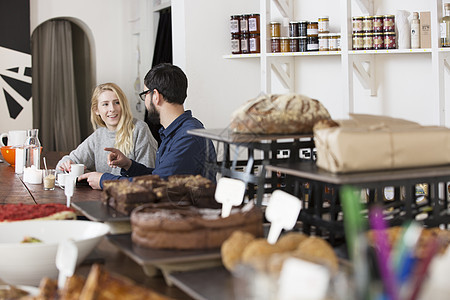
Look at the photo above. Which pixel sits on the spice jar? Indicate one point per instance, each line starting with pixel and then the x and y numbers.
pixel 293 29
pixel 243 24
pixel 368 41
pixel 323 42
pixel 235 44
pixel 234 24
pixel 389 23
pixel 275 44
pixel 378 23
pixel 284 44
pixel 313 43
pixel 324 24
pixel 302 28
pixel 245 47
pixel 390 40
pixel 358 42
pixel 312 29
pixel 254 43
pixel 293 44
pixel 357 24
pixel 332 42
pixel 275 28
pixel 367 24
pixel 302 44
pixel 253 24
pixel 378 40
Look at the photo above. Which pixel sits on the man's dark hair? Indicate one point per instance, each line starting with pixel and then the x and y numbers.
pixel 169 80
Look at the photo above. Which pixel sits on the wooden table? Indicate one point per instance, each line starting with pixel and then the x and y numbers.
pixel 14 190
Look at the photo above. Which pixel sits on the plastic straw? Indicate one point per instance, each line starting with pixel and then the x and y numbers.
pixel 45 163
pixel 383 251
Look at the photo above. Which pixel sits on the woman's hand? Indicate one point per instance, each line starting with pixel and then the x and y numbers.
pixel 65 166
pixel 116 159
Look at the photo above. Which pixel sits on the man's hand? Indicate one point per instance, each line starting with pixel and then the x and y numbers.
pixel 65 166
pixel 93 178
pixel 117 159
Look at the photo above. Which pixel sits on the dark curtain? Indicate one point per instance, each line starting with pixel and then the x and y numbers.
pixel 60 96
pixel 162 54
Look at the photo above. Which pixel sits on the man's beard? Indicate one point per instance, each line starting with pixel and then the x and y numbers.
pixel 153 114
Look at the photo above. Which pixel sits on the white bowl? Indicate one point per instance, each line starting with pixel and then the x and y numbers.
pixel 28 263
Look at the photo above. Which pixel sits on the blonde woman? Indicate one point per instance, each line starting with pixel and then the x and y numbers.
pixel 114 126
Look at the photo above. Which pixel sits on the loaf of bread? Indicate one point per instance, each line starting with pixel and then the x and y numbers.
pixel 278 114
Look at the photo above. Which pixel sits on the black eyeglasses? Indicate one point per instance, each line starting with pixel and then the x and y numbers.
pixel 143 94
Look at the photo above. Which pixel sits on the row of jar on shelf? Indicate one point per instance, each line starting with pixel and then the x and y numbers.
pixel 250 43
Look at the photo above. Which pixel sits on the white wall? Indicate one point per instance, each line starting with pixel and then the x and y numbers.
pixel 218 85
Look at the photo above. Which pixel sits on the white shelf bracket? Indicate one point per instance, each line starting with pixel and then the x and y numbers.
pixel 365 71
pixel 366 6
pixel 286 8
pixel 446 59
pixel 285 73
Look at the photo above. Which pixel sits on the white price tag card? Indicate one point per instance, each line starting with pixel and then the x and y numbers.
pixel 282 212
pixel 300 279
pixel 230 192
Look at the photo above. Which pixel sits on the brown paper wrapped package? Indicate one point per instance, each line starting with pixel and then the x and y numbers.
pixel 367 142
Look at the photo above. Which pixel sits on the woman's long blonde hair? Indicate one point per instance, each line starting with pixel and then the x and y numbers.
pixel 124 130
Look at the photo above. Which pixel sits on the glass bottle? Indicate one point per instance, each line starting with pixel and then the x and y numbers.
pixel 415 31
pixel 445 26
pixel 32 148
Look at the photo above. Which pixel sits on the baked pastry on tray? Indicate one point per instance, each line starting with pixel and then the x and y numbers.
pixel 166 226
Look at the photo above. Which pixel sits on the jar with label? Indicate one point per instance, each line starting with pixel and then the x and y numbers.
pixel 254 43
pixel 293 29
pixel 234 24
pixel 313 43
pixel 312 29
pixel 378 40
pixel 368 41
pixel 390 40
pixel 275 29
pixel 332 42
pixel 367 24
pixel 338 41
pixel 275 44
pixel 293 44
pixel 243 24
pixel 303 28
pixel 378 23
pixel 357 24
pixel 302 44
pixel 389 23
pixel 245 43
pixel 284 44
pixel 253 24
pixel 235 44
pixel 323 42
pixel 358 41
pixel 324 24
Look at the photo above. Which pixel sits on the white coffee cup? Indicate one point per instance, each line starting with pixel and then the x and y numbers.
pixel 61 178
pixel 76 169
pixel 15 137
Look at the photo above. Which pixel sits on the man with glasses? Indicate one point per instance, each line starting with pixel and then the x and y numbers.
pixel 179 153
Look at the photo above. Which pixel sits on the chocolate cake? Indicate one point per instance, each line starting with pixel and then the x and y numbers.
pixel 124 195
pixel 165 226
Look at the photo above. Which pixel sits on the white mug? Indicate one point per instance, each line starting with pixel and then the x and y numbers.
pixel 76 169
pixel 61 178
pixel 15 137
